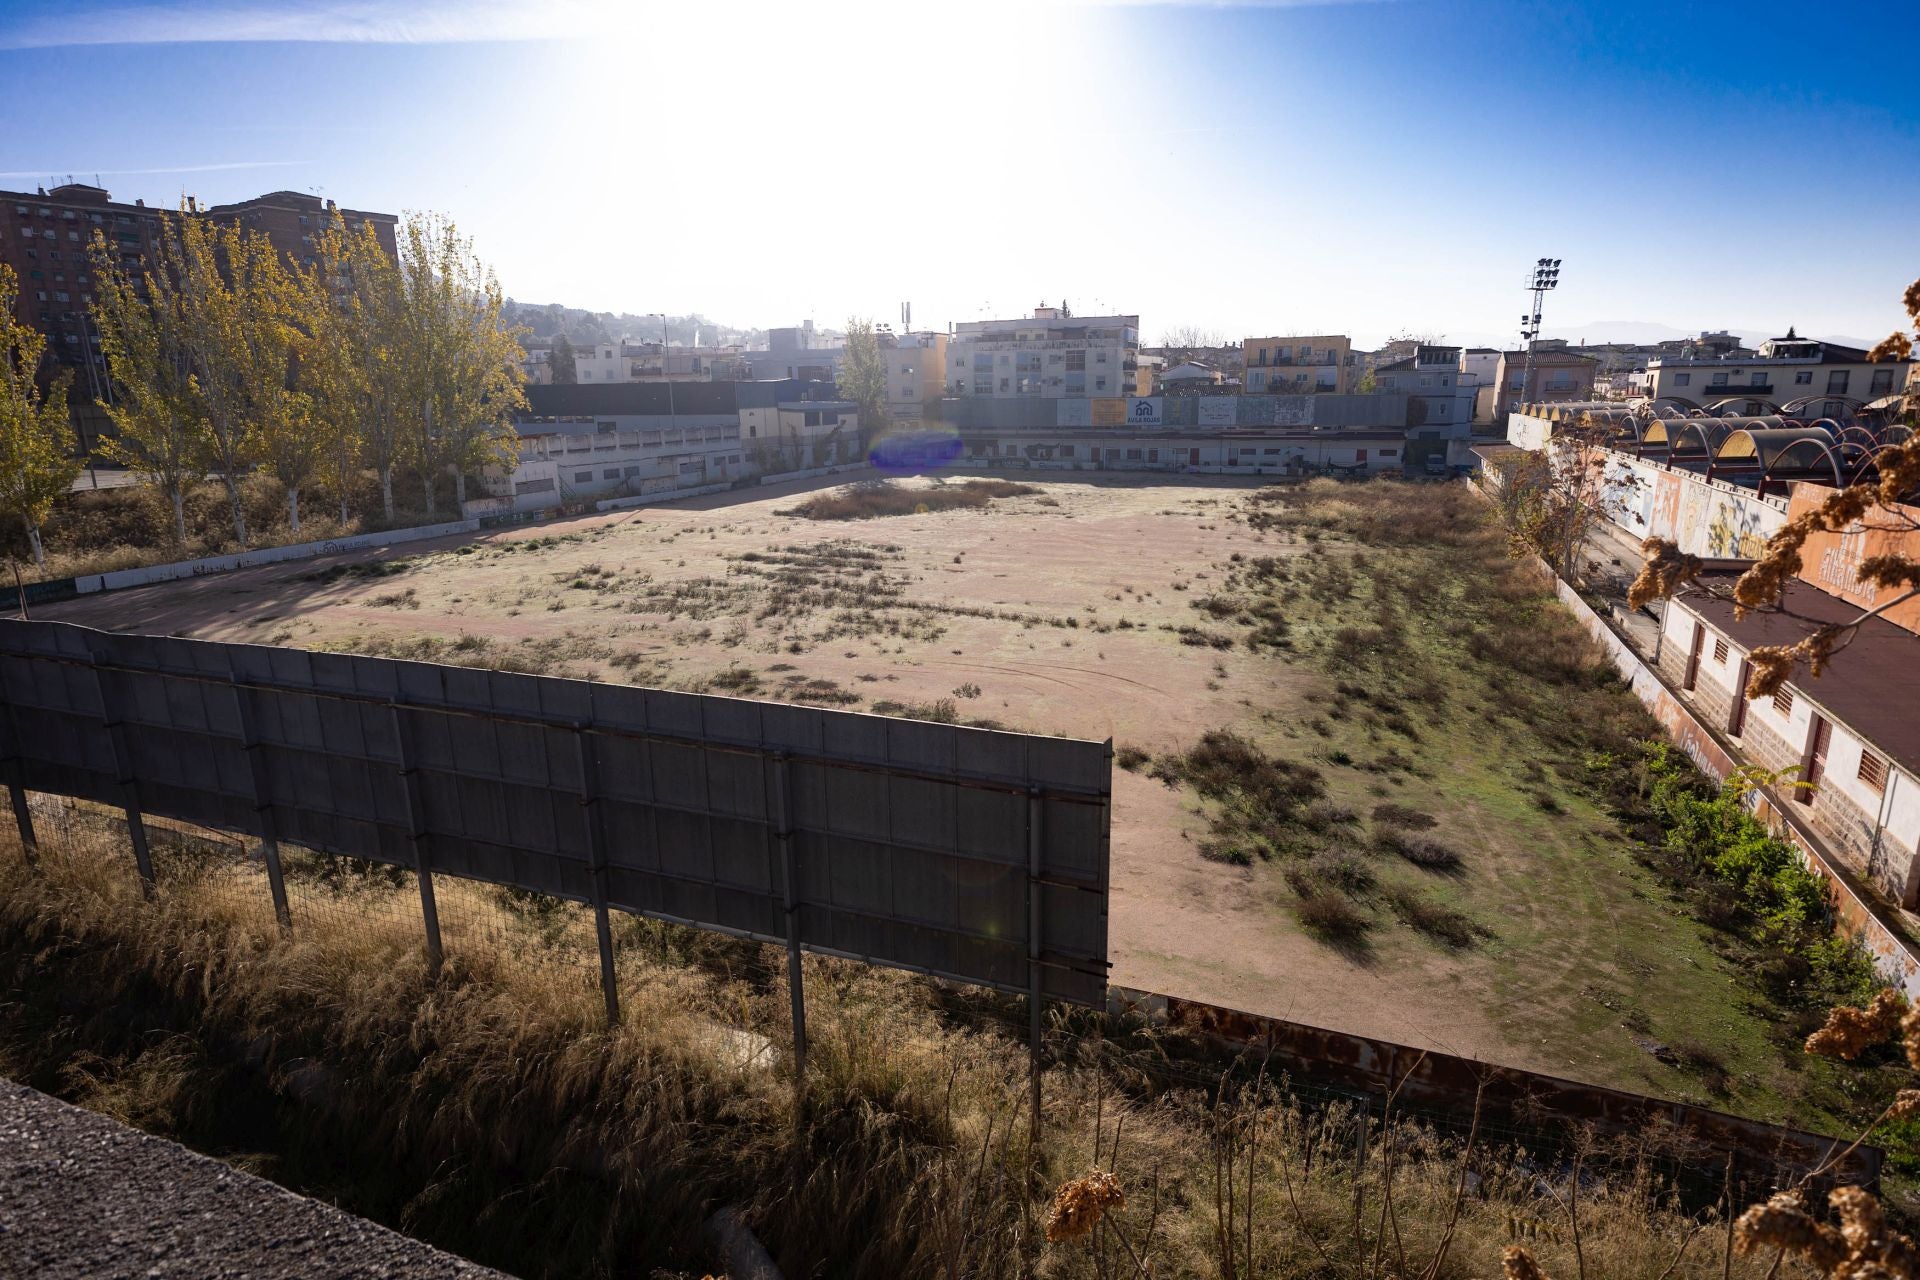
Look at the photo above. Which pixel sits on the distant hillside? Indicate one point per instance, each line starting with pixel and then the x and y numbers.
pixel 583 328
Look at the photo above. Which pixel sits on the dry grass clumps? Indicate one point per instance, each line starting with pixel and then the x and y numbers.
pixel 1421 850
pixel 872 499
pixel 489 1109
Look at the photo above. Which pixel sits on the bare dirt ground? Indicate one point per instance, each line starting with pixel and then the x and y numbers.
pixel 1054 612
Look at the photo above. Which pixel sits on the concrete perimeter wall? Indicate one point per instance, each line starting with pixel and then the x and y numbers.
pixel 88 584
pixel 1428 1080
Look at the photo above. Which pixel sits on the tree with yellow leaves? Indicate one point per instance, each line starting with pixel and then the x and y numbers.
pixel 461 361
pixel 1881 499
pixel 352 366
pixel 36 462
pixel 152 397
pixel 235 339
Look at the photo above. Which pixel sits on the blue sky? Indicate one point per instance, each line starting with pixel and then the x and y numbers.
pixel 1362 168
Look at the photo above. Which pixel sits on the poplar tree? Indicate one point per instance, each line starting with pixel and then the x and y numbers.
pixel 268 326
pixel 220 342
pixel 463 376
pixel 358 376
pixel 36 463
pixel 152 397
pixel 862 378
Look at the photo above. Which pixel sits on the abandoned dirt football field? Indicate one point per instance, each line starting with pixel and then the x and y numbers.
pixel 1070 609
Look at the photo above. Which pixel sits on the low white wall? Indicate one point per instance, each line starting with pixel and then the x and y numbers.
pixel 265 555
pixel 812 472
pixel 663 495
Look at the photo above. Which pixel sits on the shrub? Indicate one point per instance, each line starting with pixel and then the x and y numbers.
pixel 1332 917
pixel 884 498
pixel 1443 924
pixel 1399 815
pixel 1420 850
pixel 1130 758
pixel 1342 870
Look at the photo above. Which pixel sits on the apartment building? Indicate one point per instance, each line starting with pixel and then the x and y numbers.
pixel 628 361
pixel 1051 354
pixel 292 219
pixel 916 372
pixel 1297 364
pixel 44 238
pixel 1439 393
pixel 1802 377
pixel 1556 374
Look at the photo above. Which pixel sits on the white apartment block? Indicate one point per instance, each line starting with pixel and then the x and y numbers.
pixel 646 362
pixel 1801 377
pixel 1050 354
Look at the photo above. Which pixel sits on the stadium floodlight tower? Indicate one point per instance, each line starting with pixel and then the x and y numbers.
pixel 1546 275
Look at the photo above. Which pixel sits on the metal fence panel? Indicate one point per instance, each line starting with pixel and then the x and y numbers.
pixel 910 840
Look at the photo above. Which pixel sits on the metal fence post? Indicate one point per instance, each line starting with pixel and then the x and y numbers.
pixel 417 836
pixel 782 807
pixel 1035 836
pixel 16 787
pixel 23 817
pixel 597 863
pixel 123 771
pixel 262 803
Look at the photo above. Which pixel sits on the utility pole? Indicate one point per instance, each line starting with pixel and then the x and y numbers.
pixel 1546 275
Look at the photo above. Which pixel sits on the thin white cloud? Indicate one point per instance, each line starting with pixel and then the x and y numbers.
pixel 127 173
pixel 351 22
pixel 427 22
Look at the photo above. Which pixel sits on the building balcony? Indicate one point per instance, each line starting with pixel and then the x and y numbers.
pixel 1723 389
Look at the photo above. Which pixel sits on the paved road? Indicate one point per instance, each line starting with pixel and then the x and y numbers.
pixel 85 1196
pixel 103 478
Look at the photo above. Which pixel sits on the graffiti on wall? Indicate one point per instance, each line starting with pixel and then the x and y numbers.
pixel 1831 561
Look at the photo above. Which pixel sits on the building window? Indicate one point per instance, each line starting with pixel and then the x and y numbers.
pixel 1882 382
pixel 1837 382
pixel 1719 649
pixel 611 473
pixel 583 477
pixel 1682 379
pixel 1783 702
pixel 1804 378
pixel 1873 770
pixel 1719 379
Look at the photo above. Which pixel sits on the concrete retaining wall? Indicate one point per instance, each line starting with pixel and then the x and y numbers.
pixel 1430 1080
pixel 88 584
pixel 812 472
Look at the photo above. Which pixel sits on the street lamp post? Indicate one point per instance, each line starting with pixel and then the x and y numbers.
pixel 1546 275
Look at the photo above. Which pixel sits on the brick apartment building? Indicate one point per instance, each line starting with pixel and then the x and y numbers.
pixel 291 220
pixel 44 237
